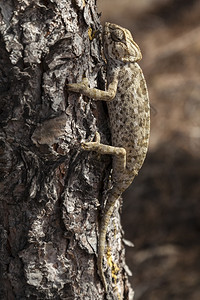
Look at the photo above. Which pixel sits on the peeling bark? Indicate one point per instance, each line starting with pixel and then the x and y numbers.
pixel 51 190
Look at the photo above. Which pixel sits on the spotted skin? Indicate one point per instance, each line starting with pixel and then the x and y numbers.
pixel 129 114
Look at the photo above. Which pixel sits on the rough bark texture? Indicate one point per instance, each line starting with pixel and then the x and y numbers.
pixel 51 190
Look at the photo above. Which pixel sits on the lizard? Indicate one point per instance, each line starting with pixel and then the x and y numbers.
pixel 129 115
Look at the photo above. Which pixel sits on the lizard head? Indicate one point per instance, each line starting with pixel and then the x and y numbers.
pixel 119 44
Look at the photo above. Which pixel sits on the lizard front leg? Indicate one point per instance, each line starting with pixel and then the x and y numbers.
pixel 96 94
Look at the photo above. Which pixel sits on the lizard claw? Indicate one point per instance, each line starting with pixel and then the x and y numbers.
pixel 84 146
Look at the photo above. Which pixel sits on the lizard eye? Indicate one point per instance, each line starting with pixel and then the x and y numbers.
pixel 117 35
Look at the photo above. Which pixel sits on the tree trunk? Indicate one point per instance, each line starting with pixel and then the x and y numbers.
pixel 51 190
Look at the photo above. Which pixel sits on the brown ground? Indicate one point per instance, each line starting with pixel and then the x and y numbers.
pixel 161 210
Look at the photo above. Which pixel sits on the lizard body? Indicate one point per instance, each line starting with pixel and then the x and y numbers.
pixel 129 114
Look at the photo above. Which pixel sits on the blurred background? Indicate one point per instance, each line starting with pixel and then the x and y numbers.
pixel 161 210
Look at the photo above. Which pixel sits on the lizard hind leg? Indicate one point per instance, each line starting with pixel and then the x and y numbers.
pixel 118 152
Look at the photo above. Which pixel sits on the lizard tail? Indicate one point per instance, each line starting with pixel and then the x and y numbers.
pixel 112 198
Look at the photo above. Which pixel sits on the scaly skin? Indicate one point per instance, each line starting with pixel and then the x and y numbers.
pixel 129 114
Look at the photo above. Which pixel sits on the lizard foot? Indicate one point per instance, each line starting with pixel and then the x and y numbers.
pixel 78 87
pixel 92 146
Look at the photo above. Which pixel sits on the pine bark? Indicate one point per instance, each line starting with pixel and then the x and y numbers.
pixel 51 191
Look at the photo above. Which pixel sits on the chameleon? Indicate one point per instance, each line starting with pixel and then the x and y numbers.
pixel 127 100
